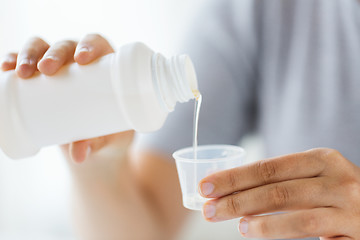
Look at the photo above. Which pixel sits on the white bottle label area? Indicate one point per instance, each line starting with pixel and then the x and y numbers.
pixel 86 101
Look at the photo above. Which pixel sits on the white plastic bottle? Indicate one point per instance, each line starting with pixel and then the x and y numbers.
pixel 133 88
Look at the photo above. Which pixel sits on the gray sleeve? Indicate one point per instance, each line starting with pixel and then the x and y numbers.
pixel 223 54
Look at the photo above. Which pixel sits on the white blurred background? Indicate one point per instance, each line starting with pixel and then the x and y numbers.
pixel 35 192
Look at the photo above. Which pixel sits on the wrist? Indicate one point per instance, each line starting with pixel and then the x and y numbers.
pixel 103 166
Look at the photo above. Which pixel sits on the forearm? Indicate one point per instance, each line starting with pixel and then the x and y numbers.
pixel 108 202
pixel 158 177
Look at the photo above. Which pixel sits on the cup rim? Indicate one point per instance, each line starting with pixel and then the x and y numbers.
pixel 241 154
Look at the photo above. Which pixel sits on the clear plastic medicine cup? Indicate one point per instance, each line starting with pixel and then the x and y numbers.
pixel 210 159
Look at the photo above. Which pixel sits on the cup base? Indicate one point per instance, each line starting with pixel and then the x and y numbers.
pixel 194 202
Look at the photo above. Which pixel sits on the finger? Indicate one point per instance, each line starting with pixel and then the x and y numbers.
pixel 115 141
pixel 342 238
pixel 28 57
pixel 336 238
pixel 9 62
pixel 91 47
pixel 284 196
pixel 318 222
pixel 294 166
pixel 56 56
pixel 79 150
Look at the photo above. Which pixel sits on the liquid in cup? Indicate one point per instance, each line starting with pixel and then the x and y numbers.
pixel 210 159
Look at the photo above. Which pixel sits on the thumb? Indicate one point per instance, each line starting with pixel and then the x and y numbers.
pixel 79 150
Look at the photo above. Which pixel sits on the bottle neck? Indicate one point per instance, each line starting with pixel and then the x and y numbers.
pixel 174 80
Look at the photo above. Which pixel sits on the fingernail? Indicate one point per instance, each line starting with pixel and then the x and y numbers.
pixel 206 188
pixel 4 63
pixel 53 58
pixel 7 60
pixel 244 226
pixel 82 50
pixel 209 211
pixel 25 61
pixel 25 67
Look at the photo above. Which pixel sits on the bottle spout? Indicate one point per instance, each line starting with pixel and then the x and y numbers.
pixel 175 79
pixel 196 93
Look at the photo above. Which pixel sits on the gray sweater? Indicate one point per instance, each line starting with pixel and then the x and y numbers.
pixel 286 69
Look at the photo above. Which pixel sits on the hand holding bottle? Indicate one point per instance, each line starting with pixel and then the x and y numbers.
pixel 37 55
pixel 59 100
